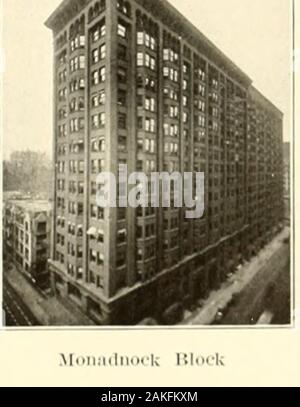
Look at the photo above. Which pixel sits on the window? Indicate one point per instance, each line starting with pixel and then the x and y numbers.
pixel 121 97
pixel 102 119
pixel 100 236
pixel 103 31
pixel 122 30
pixel 140 59
pixel 122 52
pixel 95 56
pixel 81 167
pixel 93 256
pixel 147 40
pixel 153 64
pixel 122 121
pixel 95 101
pixel 95 121
pixel 102 74
pixel 147 61
pixel 140 38
pixel 121 259
pixel 81 62
pixel 152 43
pixel 103 51
pixel 102 98
pixel 80 187
pixel 81 41
pixel 122 143
pixel 96 35
pixel 122 75
pixel 95 78
pixel 100 259
pixel 122 236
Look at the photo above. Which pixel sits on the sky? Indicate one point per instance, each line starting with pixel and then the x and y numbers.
pixel 255 34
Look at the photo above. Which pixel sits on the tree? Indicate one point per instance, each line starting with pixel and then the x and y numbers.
pixel 29 172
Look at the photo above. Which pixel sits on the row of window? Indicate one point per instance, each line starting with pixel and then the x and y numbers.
pixel 76 187
pixel 62 76
pixel 145 231
pixel 96 257
pixel 149 103
pixel 171 148
pixel 170 243
pixel 170 55
pixel 171 111
pixel 75 148
pixel 98 145
pixel 76 124
pixel 62 94
pixel 77 42
pixel 98 54
pixel 147 124
pixel 75 208
pixel 76 166
pixel 171 74
pixel 146 253
pixel 148 145
pixel 77 63
pixel 77 104
pixel 144 38
pixel 96 212
pixel 99 32
pixel 97 166
pixel 98 99
pixel 99 76
pixel 77 84
pixel 144 59
pixel 98 120
pixel 124 7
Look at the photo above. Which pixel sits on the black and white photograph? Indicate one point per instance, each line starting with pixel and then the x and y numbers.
pixel 147 163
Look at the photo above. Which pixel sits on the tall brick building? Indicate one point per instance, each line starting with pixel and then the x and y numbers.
pixel 136 83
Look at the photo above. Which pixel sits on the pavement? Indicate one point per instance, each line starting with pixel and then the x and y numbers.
pixel 269 258
pixel 16 312
pixel 25 304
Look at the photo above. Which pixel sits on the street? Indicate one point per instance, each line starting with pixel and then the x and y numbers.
pixel 268 291
pixel 253 289
pixel 16 312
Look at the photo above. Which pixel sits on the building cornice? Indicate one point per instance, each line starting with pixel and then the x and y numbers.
pixel 168 15
pixel 64 13
pixel 265 102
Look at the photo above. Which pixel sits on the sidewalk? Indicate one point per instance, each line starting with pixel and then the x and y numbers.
pixel 236 284
pixel 49 311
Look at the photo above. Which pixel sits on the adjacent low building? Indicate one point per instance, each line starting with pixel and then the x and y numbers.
pixel 26 237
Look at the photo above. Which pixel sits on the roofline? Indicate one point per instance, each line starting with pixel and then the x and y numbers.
pixel 205 39
pixel 212 52
pixel 256 93
pixel 50 22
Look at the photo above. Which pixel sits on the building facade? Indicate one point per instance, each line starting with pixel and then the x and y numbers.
pixel 287 180
pixel 26 237
pixel 136 83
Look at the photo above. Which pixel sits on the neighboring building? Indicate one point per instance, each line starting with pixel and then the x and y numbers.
pixel 13 195
pixel 287 180
pixel 265 168
pixel 26 237
pixel 136 83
